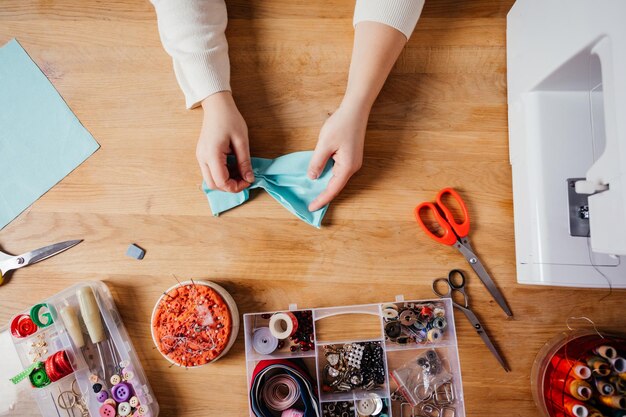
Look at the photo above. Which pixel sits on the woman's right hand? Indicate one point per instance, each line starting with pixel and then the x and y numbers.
pixel 224 132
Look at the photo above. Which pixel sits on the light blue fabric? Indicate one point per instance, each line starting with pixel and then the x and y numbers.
pixel 284 178
pixel 41 140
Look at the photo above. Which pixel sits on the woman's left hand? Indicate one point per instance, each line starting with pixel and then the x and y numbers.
pixel 342 138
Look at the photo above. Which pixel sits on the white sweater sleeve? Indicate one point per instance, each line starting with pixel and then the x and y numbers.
pixel 192 32
pixel 399 14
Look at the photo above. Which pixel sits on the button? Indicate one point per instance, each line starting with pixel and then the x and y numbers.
pixel 123 409
pixel 370 406
pixel 115 379
pixel 121 392
pixel 134 402
pixel 107 410
pixel 110 401
pixel 128 376
pixel 93 378
pixel 124 364
pixel 97 388
pixel 142 410
pixel 102 396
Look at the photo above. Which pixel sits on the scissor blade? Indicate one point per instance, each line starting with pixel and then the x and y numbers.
pixel 465 248
pixel 483 335
pixel 40 254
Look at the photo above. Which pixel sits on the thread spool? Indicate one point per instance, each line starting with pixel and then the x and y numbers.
pixel 618 364
pixel 391 306
pixel 614 401
pixel 605 351
pixel 263 341
pixel 280 392
pixel 434 335
pixel 604 387
pixel 393 329
pixel 579 389
pixel 571 406
pixel 283 325
pixel 563 366
pixel 598 365
pixel 390 313
pixel 440 323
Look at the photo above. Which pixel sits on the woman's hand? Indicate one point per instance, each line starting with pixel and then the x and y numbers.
pixel 342 138
pixel 224 132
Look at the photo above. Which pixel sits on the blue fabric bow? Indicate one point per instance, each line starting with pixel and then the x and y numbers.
pixel 284 178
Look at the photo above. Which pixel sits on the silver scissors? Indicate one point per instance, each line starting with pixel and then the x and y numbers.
pixel 456 282
pixel 10 262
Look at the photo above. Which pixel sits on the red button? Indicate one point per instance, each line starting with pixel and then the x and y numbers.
pixel 107 410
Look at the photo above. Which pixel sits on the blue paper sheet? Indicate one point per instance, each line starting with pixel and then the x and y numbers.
pixel 284 178
pixel 41 140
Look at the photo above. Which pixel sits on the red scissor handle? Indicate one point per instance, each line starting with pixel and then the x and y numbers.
pixel 448 237
pixel 461 229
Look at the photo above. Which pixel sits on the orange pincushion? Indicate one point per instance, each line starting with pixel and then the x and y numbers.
pixel 192 324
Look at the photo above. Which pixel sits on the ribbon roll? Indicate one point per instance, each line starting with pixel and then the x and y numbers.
pixel 23 326
pixel 294 370
pixel 49 315
pixel 39 378
pixel 283 325
pixel 292 412
pixel 280 392
pixel 263 341
pixel 26 372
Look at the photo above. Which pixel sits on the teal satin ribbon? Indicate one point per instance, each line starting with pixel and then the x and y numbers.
pixel 284 178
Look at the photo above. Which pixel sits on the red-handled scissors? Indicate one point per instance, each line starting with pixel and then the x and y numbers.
pixel 454 233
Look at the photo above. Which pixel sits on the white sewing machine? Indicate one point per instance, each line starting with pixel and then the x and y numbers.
pixel 567 138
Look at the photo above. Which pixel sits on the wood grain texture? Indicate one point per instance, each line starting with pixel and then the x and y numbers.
pixel 441 120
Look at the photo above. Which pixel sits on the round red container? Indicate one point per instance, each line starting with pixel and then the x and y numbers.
pixel 194 323
pixel 547 375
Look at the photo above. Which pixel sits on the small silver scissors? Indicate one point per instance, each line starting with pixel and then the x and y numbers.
pixel 10 262
pixel 456 282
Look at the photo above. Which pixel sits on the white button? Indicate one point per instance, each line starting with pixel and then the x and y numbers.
pixel 123 409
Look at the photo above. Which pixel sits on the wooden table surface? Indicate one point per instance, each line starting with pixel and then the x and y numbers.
pixel 441 120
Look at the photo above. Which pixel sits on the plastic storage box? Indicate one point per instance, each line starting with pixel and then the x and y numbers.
pixel 397 355
pixel 77 357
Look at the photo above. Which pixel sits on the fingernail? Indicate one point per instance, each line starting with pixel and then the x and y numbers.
pixel 313 175
pixel 249 176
